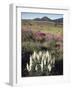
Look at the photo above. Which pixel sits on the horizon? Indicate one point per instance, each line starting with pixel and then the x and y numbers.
pixel 28 15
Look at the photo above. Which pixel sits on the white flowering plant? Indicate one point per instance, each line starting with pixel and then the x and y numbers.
pixel 41 63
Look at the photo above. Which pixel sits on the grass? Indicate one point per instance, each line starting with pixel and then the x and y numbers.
pixel 42 26
pixel 52 30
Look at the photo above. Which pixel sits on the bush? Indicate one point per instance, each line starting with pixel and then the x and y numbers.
pixel 27 36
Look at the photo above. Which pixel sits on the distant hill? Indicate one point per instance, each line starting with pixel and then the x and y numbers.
pixel 37 19
pixel 46 19
pixel 59 20
pixel 55 21
pixel 43 19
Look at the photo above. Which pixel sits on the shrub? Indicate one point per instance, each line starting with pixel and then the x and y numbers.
pixel 40 36
pixel 28 36
pixel 30 46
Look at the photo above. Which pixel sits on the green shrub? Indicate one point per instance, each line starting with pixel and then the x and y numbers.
pixel 27 36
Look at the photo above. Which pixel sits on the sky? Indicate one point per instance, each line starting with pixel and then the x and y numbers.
pixel 28 15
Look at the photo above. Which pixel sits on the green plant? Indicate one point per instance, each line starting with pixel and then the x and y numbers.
pixel 28 36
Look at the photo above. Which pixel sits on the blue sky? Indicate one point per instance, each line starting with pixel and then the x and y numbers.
pixel 28 15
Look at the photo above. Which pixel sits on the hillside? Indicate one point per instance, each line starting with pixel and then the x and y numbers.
pixel 59 20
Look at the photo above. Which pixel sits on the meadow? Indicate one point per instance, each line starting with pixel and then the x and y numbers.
pixel 42 48
pixel 43 26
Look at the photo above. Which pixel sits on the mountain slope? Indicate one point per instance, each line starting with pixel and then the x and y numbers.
pixel 43 19
pixel 59 20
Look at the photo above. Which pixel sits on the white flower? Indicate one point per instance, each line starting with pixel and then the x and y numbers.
pixel 47 54
pixel 34 55
pixel 37 57
pixel 45 62
pixel 49 67
pixel 42 65
pixel 43 58
pixel 28 67
pixel 51 62
pixel 40 53
pixel 36 68
pixel 30 60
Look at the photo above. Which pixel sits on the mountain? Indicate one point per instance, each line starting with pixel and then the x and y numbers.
pixel 37 19
pixel 43 19
pixel 59 20
pixel 46 19
pixel 56 21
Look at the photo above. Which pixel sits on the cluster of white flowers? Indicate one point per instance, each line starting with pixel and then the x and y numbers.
pixel 43 58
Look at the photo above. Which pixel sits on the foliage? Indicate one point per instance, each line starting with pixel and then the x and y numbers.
pixel 27 36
